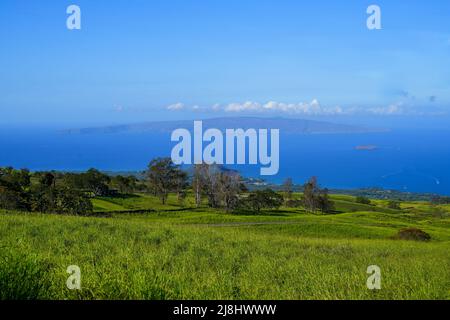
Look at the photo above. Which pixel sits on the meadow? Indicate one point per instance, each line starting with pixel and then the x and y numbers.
pixel 137 248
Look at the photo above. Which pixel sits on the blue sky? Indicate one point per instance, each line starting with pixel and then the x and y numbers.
pixel 154 60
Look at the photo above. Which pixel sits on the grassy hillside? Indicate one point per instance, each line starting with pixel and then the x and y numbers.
pixel 180 252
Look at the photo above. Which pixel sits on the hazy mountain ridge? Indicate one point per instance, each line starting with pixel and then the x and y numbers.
pixel 287 126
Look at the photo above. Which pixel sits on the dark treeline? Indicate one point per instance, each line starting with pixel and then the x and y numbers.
pixel 211 185
pixel 58 192
pixel 437 200
pixel 25 191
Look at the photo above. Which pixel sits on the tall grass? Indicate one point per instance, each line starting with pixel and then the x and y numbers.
pixel 23 276
pixel 161 257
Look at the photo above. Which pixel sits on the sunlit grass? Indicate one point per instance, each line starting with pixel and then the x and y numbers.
pixel 177 253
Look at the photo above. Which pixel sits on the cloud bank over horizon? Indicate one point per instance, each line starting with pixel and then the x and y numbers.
pixel 313 108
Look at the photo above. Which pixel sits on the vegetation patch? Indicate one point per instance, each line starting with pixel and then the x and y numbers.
pixel 413 234
pixel 201 234
pixel 23 276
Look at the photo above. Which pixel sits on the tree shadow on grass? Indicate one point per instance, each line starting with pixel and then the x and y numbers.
pixel 125 196
pixel 177 210
pixel 279 213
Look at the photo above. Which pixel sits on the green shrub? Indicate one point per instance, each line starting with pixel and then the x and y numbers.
pixel 413 234
pixel 362 200
pixel 394 205
pixel 262 199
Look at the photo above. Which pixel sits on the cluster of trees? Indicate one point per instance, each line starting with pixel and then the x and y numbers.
pixel 165 177
pixel 392 204
pixel 13 189
pixel 211 184
pixel 263 199
pixel 59 192
pixel 315 198
pixel 93 182
pixel 70 193
pixel 99 184
pixel 17 192
pixel 438 200
pixel 219 188
pixel 125 184
pixel 224 189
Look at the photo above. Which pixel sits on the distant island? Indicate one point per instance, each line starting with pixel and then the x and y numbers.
pixel 287 126
pixel 369 147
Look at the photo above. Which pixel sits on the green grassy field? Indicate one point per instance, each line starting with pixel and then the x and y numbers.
pixel 180 252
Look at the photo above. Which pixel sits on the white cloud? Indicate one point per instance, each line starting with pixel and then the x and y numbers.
pixel 216 107
pixel 176 107
pixel 313 108
pixel 393 109
pixel 243 107
pixel 307 108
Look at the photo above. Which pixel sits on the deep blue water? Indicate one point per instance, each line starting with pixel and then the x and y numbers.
pixel 405 160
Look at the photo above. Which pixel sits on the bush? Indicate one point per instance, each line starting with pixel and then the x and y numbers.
pixel 413 234
pixel 13 200
pixel 73 202
pixel 394 205
pixel 362 200
pixel 262 199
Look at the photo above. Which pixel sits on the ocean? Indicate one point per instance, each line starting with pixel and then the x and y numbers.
pixel 405 160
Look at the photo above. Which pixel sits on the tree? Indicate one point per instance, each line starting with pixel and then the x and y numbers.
pixel 96 182
pixel 13 199
pixel 230 187
pixel 124 184
pixel 73 181
pixel 315 198
pixel 436 200
pixel 163 177
pixel 74 202
pixel 394 205
pixel 221 187
pixel 263 199
pixel 15 179
pixel 207 181
pixel 363 200
pixel 43 198
pixel 60 200
pixel 199 181
pixel 47 179
pixel 181 183
pixel 14 185
pixel 324 204
pixel 310 192
pixel 18 193
pixel 288 189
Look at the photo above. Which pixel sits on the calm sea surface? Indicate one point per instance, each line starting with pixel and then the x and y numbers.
pixel 404 160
